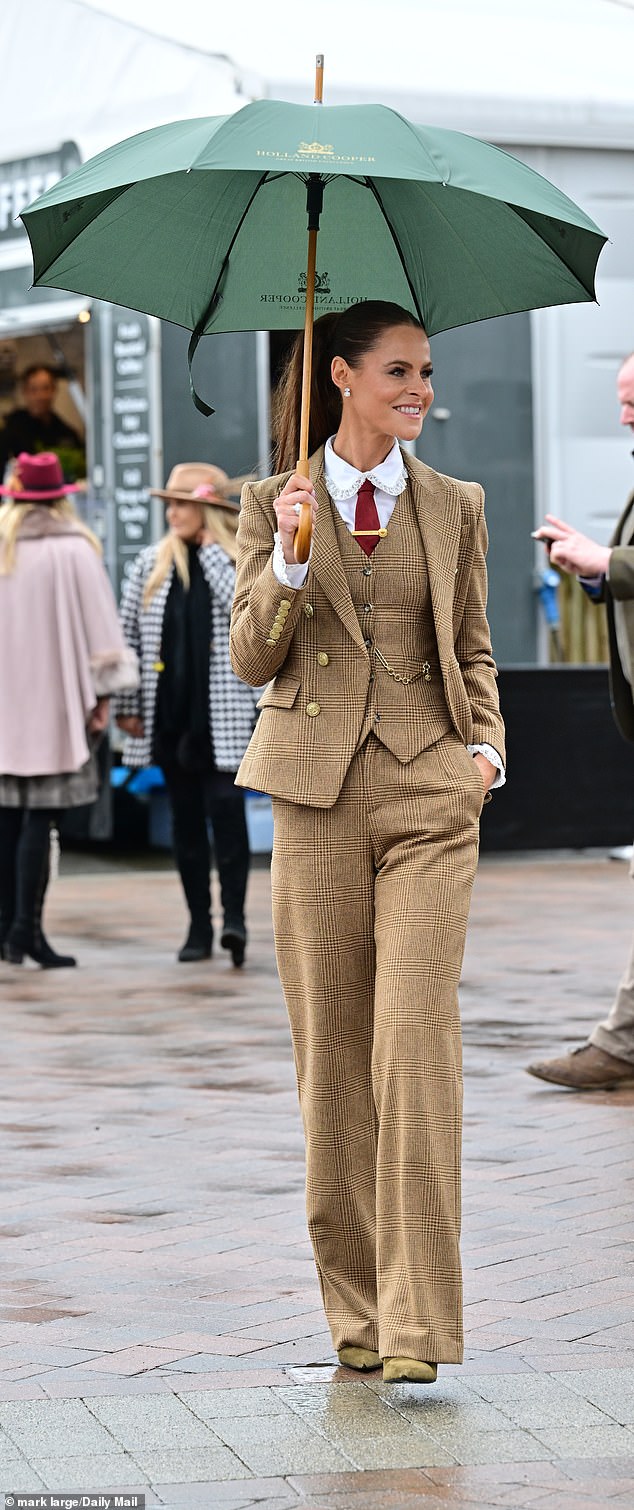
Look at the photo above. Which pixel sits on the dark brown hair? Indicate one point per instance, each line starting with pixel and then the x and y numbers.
pixel 30 372
pixel 349 335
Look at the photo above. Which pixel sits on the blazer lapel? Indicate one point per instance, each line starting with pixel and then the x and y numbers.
pixel 326 557
pixel 439 521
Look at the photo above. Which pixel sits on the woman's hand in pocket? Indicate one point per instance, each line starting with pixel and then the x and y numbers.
pixel 487 770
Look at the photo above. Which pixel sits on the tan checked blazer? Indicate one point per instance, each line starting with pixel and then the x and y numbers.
pixel 301 748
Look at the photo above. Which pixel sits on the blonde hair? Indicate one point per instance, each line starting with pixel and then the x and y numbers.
pixel 12 513
pixel 172 552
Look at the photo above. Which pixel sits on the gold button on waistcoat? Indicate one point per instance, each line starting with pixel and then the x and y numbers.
pixel 313 709
pixel 276 632
pixel 308 610
pixel 324 660
pixel 285 603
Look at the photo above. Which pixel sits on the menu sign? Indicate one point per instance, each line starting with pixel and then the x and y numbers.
pixel 131 434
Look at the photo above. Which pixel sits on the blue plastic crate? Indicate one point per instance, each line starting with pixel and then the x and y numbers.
pixel 259 814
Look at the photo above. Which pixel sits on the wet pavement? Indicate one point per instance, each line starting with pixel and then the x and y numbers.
pixel 160 1320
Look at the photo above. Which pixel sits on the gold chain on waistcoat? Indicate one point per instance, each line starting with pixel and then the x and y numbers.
pixel 425 670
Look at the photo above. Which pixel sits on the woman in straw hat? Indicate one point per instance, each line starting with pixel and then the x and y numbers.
pixel 63 656
pixel 379 737
pixel 192 716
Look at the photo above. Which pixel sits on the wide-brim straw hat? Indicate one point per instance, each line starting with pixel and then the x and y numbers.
pixel 37 479
pixel 200 482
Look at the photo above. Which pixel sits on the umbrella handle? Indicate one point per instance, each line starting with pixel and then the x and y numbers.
pixel 304 533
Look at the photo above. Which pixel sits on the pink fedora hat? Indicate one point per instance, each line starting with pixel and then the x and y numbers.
pixel 37 479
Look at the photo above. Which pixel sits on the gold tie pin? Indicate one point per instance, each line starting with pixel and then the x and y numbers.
pixel 381 533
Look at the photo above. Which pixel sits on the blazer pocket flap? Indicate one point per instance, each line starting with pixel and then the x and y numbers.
pixel 280 693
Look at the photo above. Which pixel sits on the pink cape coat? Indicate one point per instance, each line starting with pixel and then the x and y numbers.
pixel 61 647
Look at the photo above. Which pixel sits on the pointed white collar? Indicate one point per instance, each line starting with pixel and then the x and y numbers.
pixel 343 480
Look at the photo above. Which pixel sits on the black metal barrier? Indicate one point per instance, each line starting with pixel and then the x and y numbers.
pixel 570 773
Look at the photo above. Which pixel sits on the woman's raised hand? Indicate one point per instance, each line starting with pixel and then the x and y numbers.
pixel 298 490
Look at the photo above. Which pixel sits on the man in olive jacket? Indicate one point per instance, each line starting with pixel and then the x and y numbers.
pixel 607 573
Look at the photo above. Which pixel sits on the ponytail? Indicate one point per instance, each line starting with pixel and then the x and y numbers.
pixel 349 335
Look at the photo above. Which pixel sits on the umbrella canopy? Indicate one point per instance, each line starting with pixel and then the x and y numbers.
pixel 203 222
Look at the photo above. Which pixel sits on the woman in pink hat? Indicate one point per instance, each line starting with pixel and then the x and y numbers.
pixel 63 655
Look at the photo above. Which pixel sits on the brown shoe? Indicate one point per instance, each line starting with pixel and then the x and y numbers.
pixel 586 1069
pixel 361 1358
pixel 408 1371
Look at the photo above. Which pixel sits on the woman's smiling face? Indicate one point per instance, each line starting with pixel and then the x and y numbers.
pixel 390 390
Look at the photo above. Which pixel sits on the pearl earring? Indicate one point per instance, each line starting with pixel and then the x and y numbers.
pixel 346 393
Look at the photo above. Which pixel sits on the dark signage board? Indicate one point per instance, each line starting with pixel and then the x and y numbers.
pixel 23 179
pixel 131 434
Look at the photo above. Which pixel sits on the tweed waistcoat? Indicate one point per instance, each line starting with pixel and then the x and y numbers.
pixel 406 707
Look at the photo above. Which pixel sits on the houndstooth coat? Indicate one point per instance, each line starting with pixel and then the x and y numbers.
pixel 232 705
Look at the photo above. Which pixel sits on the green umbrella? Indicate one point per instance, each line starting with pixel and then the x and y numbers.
pixel 203 222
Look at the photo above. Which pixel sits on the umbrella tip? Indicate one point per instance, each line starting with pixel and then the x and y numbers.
pixel 319 78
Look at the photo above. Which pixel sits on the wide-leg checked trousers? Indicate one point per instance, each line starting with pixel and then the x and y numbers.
pixel 370 905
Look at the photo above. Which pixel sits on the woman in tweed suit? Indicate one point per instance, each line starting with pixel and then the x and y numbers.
pixel 379 737
pixel 192 716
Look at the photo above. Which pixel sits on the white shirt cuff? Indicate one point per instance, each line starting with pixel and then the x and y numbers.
pixel 288 574
pixel 495 759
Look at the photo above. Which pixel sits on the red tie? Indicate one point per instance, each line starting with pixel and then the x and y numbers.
pixel 366 517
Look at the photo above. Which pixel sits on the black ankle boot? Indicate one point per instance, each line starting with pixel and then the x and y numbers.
pixel 198 944
pixel 32 942
pixel 234 937
pixel 26 935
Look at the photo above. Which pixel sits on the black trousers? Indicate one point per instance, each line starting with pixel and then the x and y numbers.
pixel 24 851
pixel 194 799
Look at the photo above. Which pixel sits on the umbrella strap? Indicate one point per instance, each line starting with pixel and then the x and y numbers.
pixel 201 406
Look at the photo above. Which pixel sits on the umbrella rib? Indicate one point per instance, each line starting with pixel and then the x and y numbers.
pixel 517 210
pixel 124 189
pixel 230 248
pixel 199 327
pixel 373 190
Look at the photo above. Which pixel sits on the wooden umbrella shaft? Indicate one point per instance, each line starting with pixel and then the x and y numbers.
pixel 314 201
pixel 307 369
pixel 314 204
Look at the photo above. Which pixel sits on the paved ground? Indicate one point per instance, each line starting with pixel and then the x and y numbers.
pixel 160 1323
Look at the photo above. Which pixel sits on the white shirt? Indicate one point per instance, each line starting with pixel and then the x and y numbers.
pixel 343 481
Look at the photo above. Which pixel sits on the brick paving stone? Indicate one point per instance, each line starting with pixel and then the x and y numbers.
pixel 205 1465
pixel 43 1426
pixel 291 1447
pixel 158 1301
pixel 265 1494
pixel 19 1474
pixel 96 1470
